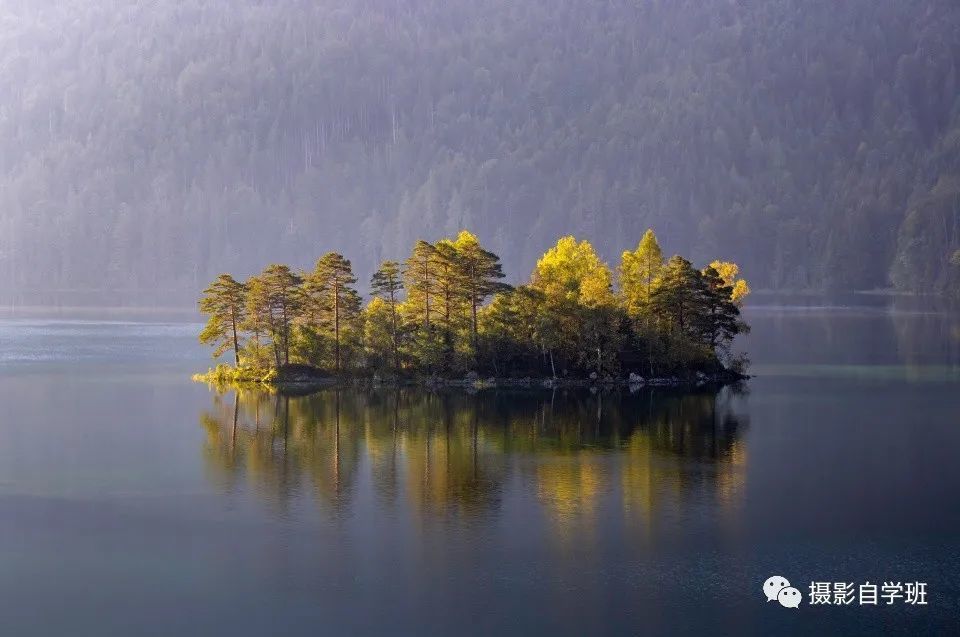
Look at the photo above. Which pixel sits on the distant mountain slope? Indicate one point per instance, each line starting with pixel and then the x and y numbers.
pixel 144 149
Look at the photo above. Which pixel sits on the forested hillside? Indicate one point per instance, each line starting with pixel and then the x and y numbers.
pixel 146 147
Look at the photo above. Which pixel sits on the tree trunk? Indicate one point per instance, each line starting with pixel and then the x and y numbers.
pixel 236 344
pixel 393 327
pixel 336 325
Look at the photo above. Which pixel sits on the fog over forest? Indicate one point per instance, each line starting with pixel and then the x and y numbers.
pixel 146 147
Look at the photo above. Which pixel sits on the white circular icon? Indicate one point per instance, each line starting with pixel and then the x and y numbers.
pixel 789 597
pixel 773 586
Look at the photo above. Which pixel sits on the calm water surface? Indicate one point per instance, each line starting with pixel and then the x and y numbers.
pixel 133 501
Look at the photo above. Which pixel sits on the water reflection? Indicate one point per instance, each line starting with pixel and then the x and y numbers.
pixel 455 456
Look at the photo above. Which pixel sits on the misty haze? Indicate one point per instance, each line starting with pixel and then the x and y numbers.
pixel 479 317
pixel 147 147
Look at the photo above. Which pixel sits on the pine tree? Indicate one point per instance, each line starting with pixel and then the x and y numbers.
pixel 276 298
pixel 256 322
pixel 333 302
pixel 379 334
pixel 511 327
pixel 719 318
pixel 225 302
pixel 386 284
pixel 677 295
pixel 450 298
pixel 481 274
pixel 420 281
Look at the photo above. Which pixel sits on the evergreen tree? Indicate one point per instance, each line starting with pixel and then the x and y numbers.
pixel 277 298
pixel 481 274
pixel 512 329
pixel 386 284
pixel 256 324
pixel 450 294
pixel 719 316
pixel 379 334
pixel 225 303
pixel 420 282
pixel 678 294
pixel 333 301
pixel 567 320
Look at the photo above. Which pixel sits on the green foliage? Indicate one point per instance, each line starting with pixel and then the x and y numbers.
pixel 420 282
pixel 579 324
pixel 380 336
pixel 332 306
pixel 274 302
pixel 458 316
pixel 386 285
pixel 511 328
pixel 480 273
pixel 224 301
pixel 638 271
pixel 140 161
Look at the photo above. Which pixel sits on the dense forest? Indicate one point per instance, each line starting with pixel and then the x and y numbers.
pixel 146 147
pixel 445 312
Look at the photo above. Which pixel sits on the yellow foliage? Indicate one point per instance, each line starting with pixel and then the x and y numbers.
pixel 572 271
pixel 638 271
pixel 728 271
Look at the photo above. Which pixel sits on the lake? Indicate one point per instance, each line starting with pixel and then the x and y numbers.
pixel 134 501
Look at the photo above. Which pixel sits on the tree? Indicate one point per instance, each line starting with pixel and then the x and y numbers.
pixel 728 271
pixel 677 295
pixel 225 303
pixel 566 320
pixel 276 299
pixel 334 303
pixel 450 288
pixel 481 274
pixel 572 271
pixel 386 284
pixel 864 146
pixel 638 271
pixel 420 281
pixel 511 327
pixel 720 316
pixel 379 334
pixel 257 324
pixel 577 294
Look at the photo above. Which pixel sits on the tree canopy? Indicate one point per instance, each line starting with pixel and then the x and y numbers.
pixel 446 312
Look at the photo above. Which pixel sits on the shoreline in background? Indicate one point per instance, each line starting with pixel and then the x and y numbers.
pixel 95 312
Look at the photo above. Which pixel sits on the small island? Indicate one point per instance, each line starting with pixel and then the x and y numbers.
pixel 444 316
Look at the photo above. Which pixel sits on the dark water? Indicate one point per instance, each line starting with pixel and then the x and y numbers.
pixel 135 502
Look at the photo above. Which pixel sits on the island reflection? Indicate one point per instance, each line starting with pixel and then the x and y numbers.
pixel 453 454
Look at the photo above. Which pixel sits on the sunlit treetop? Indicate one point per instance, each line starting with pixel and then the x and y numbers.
pixel 572 271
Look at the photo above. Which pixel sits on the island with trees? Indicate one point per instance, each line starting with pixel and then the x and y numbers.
pixel 445 315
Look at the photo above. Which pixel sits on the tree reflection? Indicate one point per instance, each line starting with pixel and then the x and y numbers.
pixel 451 454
